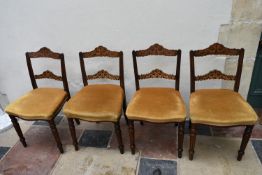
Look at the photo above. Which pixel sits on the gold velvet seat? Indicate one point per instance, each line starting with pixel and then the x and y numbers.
pixel 96 103
pixel 159 105
pixel 38 104
pixel 220 107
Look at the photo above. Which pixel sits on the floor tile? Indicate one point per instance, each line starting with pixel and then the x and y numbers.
pixel 201 129
pixel 153 140
pixel 217 156
pixel 65 135
pixel 9 137
pixel 237 131
pixel 94 161
pixel 95 138
pixel 229 131
pixel 157 167
pixel 45 123
pixel 3 151
pixel 257 144
pixel 38 158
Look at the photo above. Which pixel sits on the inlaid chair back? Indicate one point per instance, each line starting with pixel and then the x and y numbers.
pixel 47 53
pixel 216 49
pixel 158 50
pixel 101 51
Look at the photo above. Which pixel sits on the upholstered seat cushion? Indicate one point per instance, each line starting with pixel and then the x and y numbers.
pixel 158 105
pixel 40 103
pixel 101 102
pixel 220 107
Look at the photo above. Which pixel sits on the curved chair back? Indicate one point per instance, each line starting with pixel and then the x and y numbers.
pixel 157 49
pixel 47 53
pixel 216 49
pixel 101 51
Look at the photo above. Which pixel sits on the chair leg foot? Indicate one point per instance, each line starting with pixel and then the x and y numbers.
pixel 18 130
pixel 77 121
pixel 119 137
pixel 56 135
pixel 192 141
pixel 132 136
pixel 245 139
pixel 181 127
pixel 73 132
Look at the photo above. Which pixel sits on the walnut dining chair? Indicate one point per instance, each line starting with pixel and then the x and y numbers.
pixel 157 104
pixel 219 107
pixel 98 102
pixel 41 103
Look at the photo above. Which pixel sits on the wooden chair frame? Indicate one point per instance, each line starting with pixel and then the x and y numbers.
pixel 157 49
pixel 101 51
pixel 217 49
pixel 47 53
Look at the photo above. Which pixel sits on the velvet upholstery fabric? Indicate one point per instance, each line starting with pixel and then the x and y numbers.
pixel 100 102
pixel 220 107
pixel 40 103
pixel 157 105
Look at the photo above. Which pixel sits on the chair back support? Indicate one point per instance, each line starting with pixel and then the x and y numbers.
pixel 47 53
pixel 157 49
pixel 216 49
pixel 101 51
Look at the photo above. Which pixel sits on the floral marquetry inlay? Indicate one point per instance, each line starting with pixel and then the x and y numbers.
pixel 103 74
pixel 48 74
pixel 156 49
pixel 101 51
pixel 216 49
pixel 215 74
pixel 157 73
pixel 44 52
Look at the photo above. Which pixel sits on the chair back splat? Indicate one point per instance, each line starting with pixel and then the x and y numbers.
pixel 157 49
pixel 101 51
pixel 216 49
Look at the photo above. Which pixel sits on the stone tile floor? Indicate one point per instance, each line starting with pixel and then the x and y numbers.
pixel 215 151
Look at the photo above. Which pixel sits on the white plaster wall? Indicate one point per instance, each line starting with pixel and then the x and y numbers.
pixel 71 26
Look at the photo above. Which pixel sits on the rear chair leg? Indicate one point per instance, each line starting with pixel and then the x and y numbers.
pixel 192 141
pixel 73 132
pixel 181 127
pixel 124 109
pixel 119 137
pixel 56 136
pixel 132 136
pixel 18 130
pixel 77 121
pixel 245 139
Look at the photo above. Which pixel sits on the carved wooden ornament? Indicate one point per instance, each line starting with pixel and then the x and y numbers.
pixel 48 74
pixel 156 49
pixel 157 73
pixel 44 52
pixel 215 74
pixel 100 51
pixel 103 74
